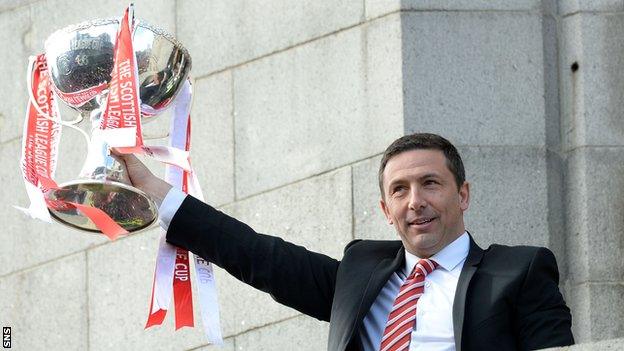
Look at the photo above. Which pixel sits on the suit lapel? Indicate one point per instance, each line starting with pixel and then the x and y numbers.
pixel 378 278
pixel 475 253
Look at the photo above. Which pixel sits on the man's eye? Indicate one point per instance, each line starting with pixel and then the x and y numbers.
pixel 430 182
pixel 398 189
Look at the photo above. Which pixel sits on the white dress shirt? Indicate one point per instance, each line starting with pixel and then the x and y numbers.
pixel 434 311
pixel 170 205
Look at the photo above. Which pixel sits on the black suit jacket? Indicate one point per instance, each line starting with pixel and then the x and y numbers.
pixel 507 298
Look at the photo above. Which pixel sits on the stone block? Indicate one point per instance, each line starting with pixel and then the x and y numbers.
pixel 556 209
pixel 301 333
pixel 605 345
pixel 573 124
pixel 369 221
pixel 222 34
pixel 592 89
pixel 475 77
pixel 577 244
pixel 46 307
pixel 244 308
pixel 228 345
pixel 14 27
pixel 42 241
pixel 552 104
pixel 8 5
pixel 295 110
pixel 508 195
pixel 315 213
pixel 607 311
pixel 384 80
pixel 526 5
pixel 578 299
pixel 567 7
pixel 376 8
pixel 595 214
pixel 120 278
pixel 597 311
pixel 212 147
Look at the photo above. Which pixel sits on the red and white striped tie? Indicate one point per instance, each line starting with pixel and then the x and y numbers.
pixel 402 319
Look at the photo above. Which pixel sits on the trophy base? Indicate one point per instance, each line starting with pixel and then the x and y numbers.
pixel 129 207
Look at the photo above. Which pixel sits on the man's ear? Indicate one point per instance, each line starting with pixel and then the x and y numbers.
pixel 464 196
pixel 385 211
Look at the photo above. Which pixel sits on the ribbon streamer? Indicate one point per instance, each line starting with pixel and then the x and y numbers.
pixel 164 274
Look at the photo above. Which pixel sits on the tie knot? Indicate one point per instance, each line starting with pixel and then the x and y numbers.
pixel 425 266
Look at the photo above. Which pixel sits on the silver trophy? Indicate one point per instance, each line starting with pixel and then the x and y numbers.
pixel 80 58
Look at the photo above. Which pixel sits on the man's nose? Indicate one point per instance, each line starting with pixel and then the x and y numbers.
pixel 417 201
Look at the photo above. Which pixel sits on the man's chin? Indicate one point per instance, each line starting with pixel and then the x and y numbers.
pixel 423 244
pixel 424 237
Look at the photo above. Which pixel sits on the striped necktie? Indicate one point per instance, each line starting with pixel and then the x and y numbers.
pixel 402 319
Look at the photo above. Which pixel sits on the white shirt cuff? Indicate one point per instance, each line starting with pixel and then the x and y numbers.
pixel 170 205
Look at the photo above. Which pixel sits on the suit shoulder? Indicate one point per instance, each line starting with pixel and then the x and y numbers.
pixel 360 246
pixel 519 249
pixel 522 253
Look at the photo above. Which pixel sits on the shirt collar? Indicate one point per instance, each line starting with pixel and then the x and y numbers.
pixel 448 258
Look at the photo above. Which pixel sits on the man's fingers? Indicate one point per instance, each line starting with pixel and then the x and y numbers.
pixel 125 174
pixel 137 172
pixel 124 156
pixel 130 160
pixel 140 176
pixel 114 151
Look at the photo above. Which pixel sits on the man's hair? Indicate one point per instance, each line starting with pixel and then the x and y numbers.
pixel 424 141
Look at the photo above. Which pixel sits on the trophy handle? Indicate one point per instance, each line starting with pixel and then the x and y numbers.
pixel 33 102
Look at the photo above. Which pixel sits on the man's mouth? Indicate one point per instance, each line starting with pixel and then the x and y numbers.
pixel 422 221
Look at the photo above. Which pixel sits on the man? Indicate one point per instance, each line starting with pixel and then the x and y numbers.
pixel 435 289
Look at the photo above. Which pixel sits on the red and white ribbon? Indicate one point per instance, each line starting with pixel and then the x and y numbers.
pixel 205 280
pixel 40 140
pixel 122 113
pixel 120 125
pixel 42 133
pixel 173 263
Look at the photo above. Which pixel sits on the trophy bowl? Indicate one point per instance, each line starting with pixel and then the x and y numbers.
pixel 80 57
pixel 80 60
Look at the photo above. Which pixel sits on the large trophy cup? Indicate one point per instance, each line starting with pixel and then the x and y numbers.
pixel 80 60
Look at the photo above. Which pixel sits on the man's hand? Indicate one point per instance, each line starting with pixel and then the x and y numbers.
pixel 139 176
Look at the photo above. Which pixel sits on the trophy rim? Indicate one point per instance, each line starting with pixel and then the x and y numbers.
pixel 105 21
pixel 109 182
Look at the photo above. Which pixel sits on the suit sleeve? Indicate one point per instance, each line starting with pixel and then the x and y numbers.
pixel 544 320
pixel 293 275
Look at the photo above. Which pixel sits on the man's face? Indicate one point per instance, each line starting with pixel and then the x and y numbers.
pixel 421 200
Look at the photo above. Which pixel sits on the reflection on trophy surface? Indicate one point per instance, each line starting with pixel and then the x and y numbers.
pixel 80 60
